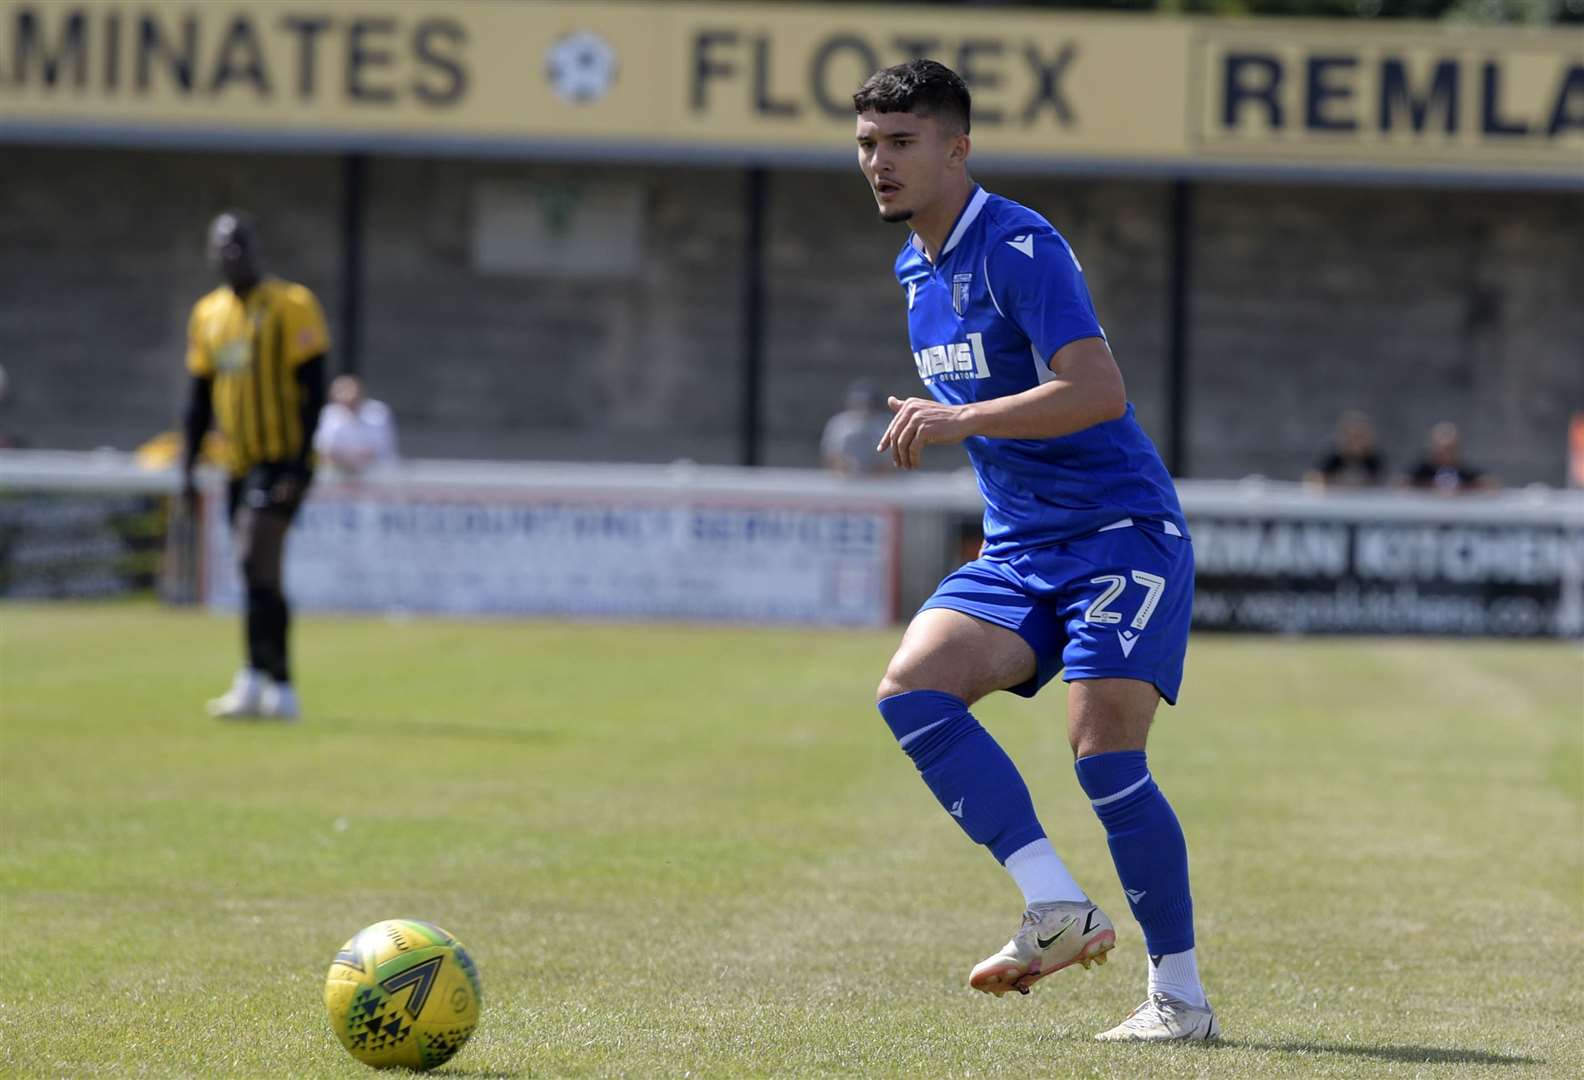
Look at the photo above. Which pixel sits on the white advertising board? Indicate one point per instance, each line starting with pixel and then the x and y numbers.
pixel 608 556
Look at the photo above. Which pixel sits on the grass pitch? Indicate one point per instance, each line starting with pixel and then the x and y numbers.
pixel 682 851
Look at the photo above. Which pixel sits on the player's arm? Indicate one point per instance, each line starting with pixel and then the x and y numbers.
pixel 199 413
pixel 312 394
pixel 310 376
pixel 1086 391
pixel 307 343
pixel 196 419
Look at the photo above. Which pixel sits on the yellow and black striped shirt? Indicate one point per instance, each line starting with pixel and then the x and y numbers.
pixel 252 348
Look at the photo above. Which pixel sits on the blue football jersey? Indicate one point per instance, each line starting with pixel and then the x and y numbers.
pixel 1006 293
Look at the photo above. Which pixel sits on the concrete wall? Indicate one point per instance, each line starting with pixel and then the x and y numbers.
pixel 101 258
pixel 1413 305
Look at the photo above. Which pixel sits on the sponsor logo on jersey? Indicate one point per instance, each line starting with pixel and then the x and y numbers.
pixel 953 362
pixel 234 356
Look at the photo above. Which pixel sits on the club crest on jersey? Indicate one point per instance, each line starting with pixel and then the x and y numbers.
pixel 960 285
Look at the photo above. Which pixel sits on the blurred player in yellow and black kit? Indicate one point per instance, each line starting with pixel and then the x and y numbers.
pixel 256 352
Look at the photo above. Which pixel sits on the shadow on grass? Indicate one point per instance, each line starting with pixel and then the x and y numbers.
pixel 1429 1055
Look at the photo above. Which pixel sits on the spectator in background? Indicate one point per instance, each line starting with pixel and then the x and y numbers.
pixel 356 433
pixel 848 444
pixel 1354 459
pixel 1576 451
pixel 1443 469
pixel 167 449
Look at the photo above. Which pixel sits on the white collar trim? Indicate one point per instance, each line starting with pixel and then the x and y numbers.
pixel 975 205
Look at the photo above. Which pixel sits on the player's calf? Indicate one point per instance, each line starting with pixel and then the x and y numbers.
pixel 968 772
pixel 1146 844
pixel 1151 859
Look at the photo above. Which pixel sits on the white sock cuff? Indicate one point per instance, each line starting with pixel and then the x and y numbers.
pixel 1041 875
pixel 1030 850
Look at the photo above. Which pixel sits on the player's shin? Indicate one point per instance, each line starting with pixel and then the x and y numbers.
pixel 266 631
pixel 978 785
pixel 1151 858
pixel 283 640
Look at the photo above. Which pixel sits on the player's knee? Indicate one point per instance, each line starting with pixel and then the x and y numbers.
pixel 260 573
pixel 1109 715
pixel 907 682
pixel 888 687
pixel 899 678
pixel 261 566
pixel 1099 733
pixel 1083 744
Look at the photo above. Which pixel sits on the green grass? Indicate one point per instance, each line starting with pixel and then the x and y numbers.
pixel 691 851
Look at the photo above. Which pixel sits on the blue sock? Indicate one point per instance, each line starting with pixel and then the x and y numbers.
pixel 1147 846
pixel 966 769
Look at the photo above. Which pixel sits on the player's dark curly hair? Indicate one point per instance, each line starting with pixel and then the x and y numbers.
pixel 925 87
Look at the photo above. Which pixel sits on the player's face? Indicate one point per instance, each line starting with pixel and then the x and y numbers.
pixel 906 158
pixel 233 252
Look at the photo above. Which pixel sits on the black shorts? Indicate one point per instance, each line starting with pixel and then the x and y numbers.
pixel 255 489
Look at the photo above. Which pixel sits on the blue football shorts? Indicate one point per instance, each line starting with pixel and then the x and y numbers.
pixel 1112 604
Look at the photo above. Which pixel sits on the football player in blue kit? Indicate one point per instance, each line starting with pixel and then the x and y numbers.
pixel 1087 568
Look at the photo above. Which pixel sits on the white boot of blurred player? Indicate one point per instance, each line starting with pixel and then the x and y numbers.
pixel 245 698
pixel 279 701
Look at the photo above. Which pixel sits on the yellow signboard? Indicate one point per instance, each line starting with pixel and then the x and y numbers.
pixel 1480 99
pixel 775 82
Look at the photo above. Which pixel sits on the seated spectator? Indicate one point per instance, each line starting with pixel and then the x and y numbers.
pixel 1443 468
pixel 356 433
pixel 1354 459
pixel 848 444
pixel 1576 451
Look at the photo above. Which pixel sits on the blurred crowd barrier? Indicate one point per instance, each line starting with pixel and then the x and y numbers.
pixel 775 546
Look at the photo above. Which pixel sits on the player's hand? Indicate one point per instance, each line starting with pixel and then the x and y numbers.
pixel 920 422
pixel 286 489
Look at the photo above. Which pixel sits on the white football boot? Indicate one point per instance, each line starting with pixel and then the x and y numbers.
pixel 243 701
pixel 279 702
pixel 1053 936
pixel 1163 1018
